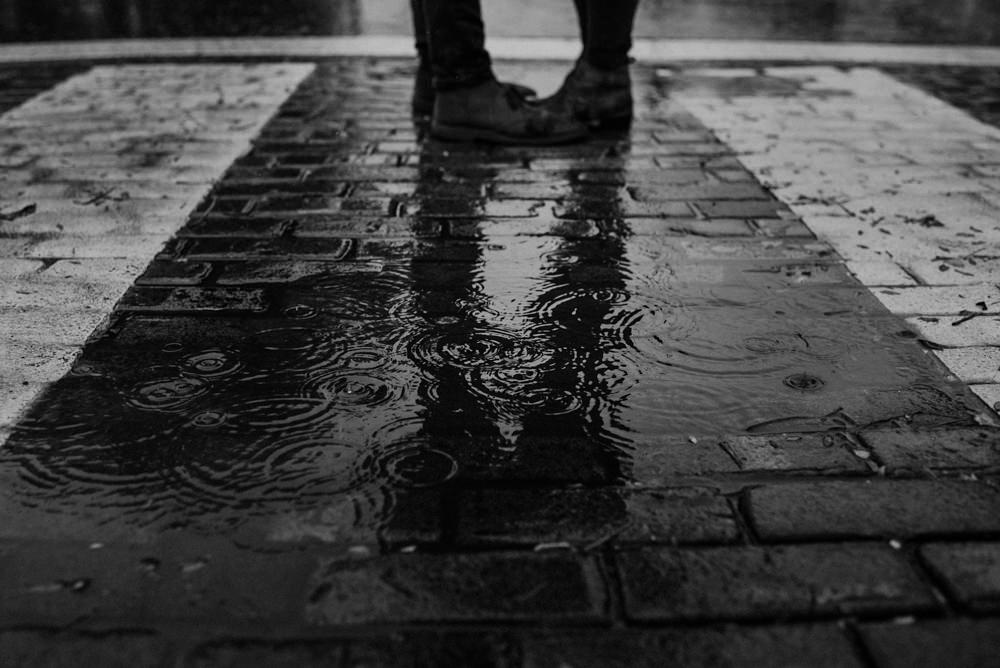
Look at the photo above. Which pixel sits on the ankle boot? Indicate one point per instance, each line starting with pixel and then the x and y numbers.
pixel 423 93
pixel 493 113
pixel 599 98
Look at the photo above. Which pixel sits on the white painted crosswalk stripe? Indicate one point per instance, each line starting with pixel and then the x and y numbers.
pixel 83 217
pixel 900 183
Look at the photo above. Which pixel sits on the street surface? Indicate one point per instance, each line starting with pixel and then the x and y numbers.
pixel 288 383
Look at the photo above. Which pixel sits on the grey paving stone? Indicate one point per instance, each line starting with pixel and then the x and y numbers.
pixel 722 227
pixel 917 452
pixel 970 571
pixel 440 207
pixel 273 654
pixel 258 227
pixel 657 464
pixel 708 149
pixel 728 647
pixel 271 248
pixel 482 649
pixel 878 508
pixel 160 272
pixel 782 227
pixel 593 516
pixel 255 272
pixel 194 299
pixel 666 177
pixel 624 209
pixel 38 649
pixel 956 643
pixel 705 191
pixel 802 453
pixel 769 583
pixel 483 587
pixel 654 209
pixel 741 208
pixel 196 581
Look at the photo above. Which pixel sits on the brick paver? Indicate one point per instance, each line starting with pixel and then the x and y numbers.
pixel 965 643
pixel 769 583
pixel 385 401
pixel 970 571
pixel 877 508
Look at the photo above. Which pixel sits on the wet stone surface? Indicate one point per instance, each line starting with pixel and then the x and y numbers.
pixel 784 582
pixel 382 380
pixel 951 642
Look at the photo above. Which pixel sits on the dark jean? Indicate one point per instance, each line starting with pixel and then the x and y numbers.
pixel 451 41
pixel 606 31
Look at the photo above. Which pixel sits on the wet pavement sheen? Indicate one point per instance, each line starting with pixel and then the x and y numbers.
pixel 358 318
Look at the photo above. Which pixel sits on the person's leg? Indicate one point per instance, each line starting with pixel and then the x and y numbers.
pixel 608 29
pixel 470 104
pixel 457 43
pixel 423 90
pixel 420 33
pixel 598 91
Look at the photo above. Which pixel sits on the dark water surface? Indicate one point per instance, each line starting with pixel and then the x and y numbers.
pixel 357 317
pixel 927 21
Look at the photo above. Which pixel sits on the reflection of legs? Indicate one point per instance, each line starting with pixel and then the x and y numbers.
pixel 599 89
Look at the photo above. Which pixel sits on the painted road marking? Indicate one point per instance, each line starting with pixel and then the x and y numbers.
pixel 904 186
pixel 99 172
pixel 506 48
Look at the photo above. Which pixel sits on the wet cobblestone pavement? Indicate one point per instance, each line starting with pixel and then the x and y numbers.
pixel 385 401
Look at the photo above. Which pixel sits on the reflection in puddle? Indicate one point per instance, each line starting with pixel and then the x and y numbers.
pixel 512 359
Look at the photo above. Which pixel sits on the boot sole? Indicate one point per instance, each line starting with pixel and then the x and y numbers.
pixel 470 134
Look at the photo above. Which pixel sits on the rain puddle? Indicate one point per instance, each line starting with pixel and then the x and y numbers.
pixel 417 362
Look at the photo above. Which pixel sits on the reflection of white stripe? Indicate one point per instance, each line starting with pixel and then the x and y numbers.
pixel 514 48
pixel 86 232
pixel 904 186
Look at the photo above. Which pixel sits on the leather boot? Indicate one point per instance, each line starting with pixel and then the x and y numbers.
pixel 599 98
pixel 423 93
pixel 491 112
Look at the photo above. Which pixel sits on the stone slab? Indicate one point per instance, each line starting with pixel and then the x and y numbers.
pixel 959 643
pixel 591 517
pixel 778 646
pixel 801 453
pixel 970 571
pixel 482 587
pixel 929 452
pixel 662 585
pixel 881 508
